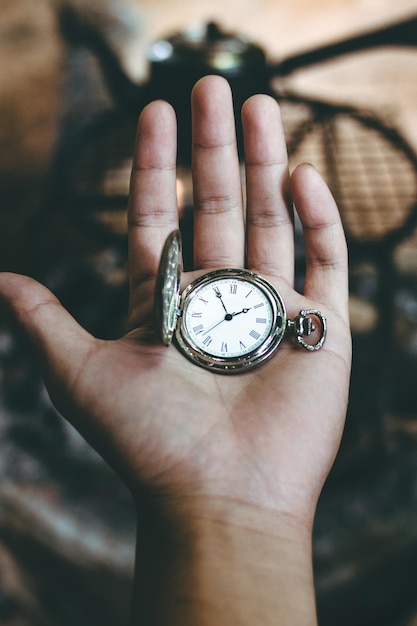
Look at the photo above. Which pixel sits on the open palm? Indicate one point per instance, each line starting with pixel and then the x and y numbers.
pixel 267 437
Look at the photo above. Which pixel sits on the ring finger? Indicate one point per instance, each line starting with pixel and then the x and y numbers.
pixel 270 236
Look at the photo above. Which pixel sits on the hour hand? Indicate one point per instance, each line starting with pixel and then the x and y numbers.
pixel 242 311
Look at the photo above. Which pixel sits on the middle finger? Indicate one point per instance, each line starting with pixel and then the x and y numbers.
pixel 219 238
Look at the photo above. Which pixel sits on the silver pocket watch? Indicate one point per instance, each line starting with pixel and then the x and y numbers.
pixel 228 320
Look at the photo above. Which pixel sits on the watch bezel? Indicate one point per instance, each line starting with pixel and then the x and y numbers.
pixel 253 358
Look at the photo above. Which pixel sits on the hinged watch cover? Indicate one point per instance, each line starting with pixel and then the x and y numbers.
pixel 168 287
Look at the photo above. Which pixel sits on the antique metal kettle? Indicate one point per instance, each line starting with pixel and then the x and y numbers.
pixel 177 62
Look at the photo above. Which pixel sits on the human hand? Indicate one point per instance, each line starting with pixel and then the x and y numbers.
pixel 265 439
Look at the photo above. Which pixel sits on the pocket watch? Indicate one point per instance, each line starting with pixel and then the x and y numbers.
pixel 228 320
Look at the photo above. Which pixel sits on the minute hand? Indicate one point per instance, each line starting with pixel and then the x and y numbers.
pixel 219 296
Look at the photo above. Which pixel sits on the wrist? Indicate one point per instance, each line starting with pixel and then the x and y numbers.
pixel 223 562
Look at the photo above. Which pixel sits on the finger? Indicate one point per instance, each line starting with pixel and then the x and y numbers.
pixel 270 235
pixel 218 213
pixel 152 210
pixel 61 344
pixel 326 277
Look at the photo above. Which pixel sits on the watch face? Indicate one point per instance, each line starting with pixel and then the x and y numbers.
pixel 231 320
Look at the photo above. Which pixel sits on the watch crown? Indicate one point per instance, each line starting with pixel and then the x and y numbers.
pixel 303 325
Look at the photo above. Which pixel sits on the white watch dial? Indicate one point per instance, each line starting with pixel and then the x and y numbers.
pixel 228 317
pixel 231 319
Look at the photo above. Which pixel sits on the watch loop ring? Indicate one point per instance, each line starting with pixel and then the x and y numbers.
pixel 303 325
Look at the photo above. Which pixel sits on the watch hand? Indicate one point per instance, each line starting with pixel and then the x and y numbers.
pixel 242 311
pixel 219 296
pixel 226 318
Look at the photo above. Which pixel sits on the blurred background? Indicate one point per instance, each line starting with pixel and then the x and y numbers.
pixel 73 77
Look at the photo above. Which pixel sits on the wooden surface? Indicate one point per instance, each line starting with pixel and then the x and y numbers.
pixel 281 27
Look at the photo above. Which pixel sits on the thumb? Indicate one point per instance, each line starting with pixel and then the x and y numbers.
pixel 59 341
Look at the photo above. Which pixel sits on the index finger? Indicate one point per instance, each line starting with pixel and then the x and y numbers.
pixel 152 208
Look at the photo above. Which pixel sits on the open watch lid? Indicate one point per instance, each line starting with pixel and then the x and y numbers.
pixel 168 287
